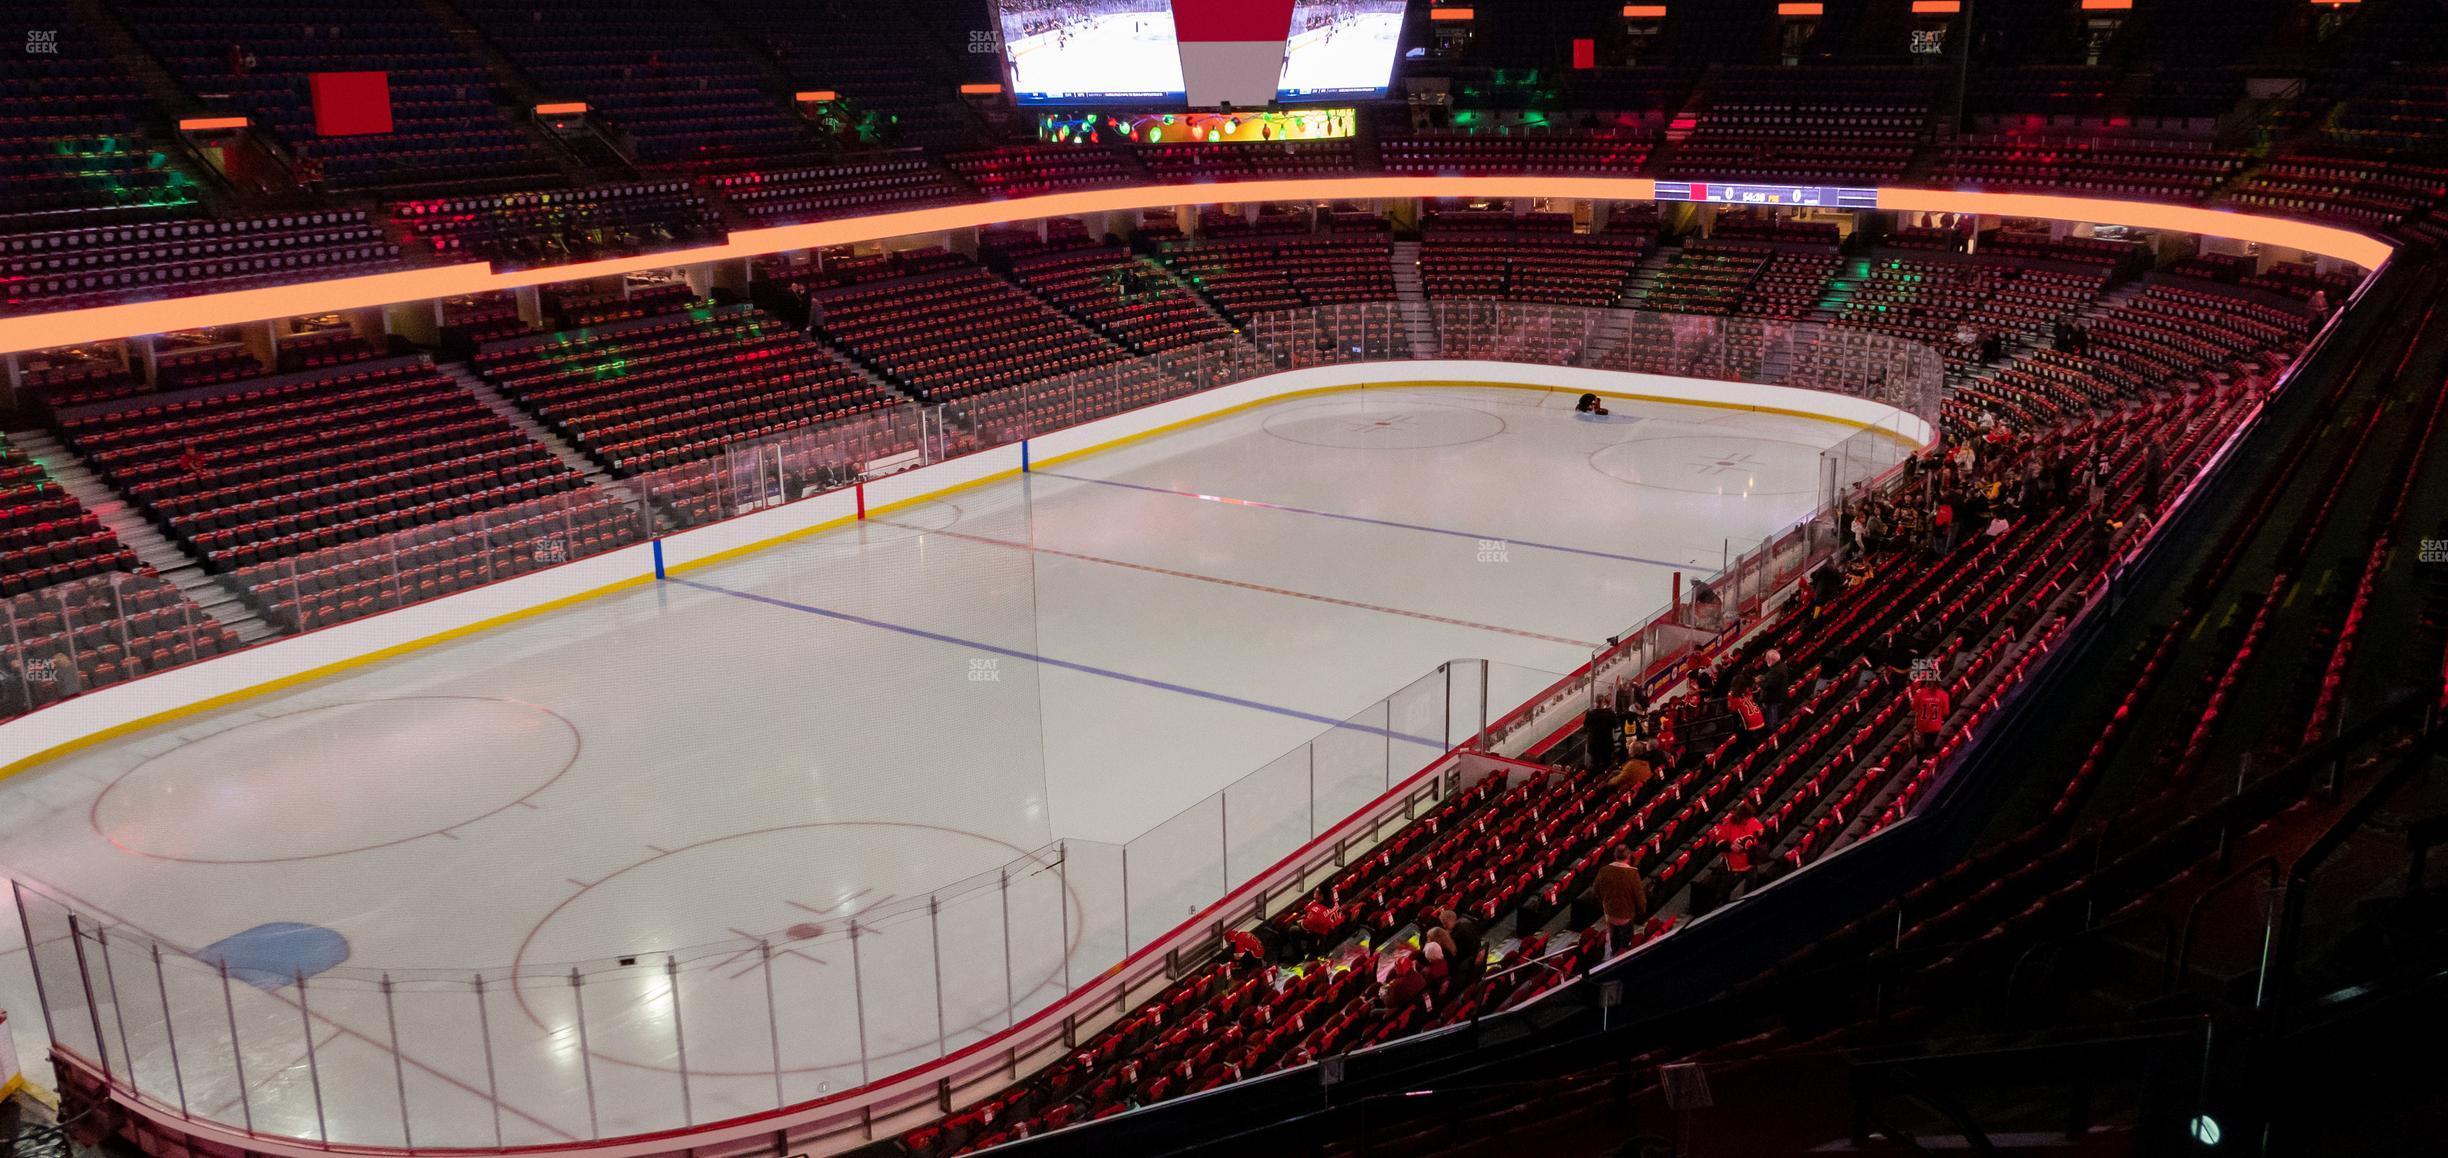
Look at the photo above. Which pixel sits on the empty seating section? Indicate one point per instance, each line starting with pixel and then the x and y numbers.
pixel 1741 225
pixel 1132 299
pixel 2174 333
pixel 675 87
pixel 2040 93
pixel 874 54
pixel 2167 336
pixel 314 349
pixel 957 332
pixel 474 319
pixel 790 284
pixel 202 358
pixel 71 150
pixel 1255 221
pixel 846 189
pixel 2160 170
pixel 1861 125
pixel 90 633
pixel 1556 152
pixel 75 377
pixel 1791 286
pixel 1022 170
pixel 658 391
pixel 552 226
pixel 46 536
pixel 2353 190
pixel 79 267
pixel 1526 259
pixel 1247 162
pixel 2299 281
pixel 1925 300
pixel 2405 111
pixel 575 306
pixel 1706 277
pixel 2119 256
pixel 256 59
pixel 258 472
pixel 1252 276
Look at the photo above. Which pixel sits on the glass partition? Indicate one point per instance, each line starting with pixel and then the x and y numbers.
pixel 61 641
pixel 675 1035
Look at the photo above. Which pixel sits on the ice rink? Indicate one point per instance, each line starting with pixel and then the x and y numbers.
pixel 772 746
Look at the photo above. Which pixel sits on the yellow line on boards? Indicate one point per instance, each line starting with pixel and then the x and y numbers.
pixel 393 651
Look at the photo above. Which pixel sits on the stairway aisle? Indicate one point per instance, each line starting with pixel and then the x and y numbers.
pixel 1412 298
pixel 569 455
pixel 154 549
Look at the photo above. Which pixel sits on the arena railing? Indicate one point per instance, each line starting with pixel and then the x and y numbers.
pixel 969 979
pixel 347 581
pixel 674 1036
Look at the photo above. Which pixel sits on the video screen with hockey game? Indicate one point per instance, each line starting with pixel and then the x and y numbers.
pixel 1091 50
pixel 1340 48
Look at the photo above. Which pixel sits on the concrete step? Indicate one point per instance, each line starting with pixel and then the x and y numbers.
pixel 517 416
pixel 1411 297
pixel 153 548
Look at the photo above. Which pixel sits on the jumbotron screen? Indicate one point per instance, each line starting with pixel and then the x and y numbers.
pixel 1091 51
pixel 1340 48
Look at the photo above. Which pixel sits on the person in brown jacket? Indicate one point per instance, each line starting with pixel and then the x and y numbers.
pixel 1622 897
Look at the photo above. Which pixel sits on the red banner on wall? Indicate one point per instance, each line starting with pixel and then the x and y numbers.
pixel 351 104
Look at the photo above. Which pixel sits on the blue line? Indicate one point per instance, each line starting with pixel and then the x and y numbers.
pixel 1505 539
pixel 658 557
pixel 1070 665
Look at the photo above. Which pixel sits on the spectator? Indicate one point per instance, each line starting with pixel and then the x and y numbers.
pixel 1747 713
pixel 1469 945
pixel 1775 686
pixel 1319 923
pixel 1405 985
pixel 1637 769
pixel 1622 898
pixel 1738 835
pixel 1436 960
pixel 1602 734
pixel 1930 704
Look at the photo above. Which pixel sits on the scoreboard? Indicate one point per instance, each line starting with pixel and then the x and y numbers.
pixel 1721 193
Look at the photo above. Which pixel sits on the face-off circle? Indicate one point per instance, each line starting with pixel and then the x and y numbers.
pixel 348 777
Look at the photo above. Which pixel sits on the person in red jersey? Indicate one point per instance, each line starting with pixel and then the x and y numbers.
pixel 1930 704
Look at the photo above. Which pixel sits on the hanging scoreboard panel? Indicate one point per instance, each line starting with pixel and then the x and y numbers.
pixel 1726 193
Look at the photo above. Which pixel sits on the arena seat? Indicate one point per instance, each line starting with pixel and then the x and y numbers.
pixel 72 152
pixel 956 332
pixel 843 189
pixel 677 90
pixel 551 226
pixel 256 60
pixel 254 472
pixel 653 392
pixel 1246 277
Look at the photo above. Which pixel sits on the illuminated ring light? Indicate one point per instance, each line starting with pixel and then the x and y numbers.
pixel 129 319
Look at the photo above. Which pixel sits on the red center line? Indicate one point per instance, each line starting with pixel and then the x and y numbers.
pixel 1260 587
